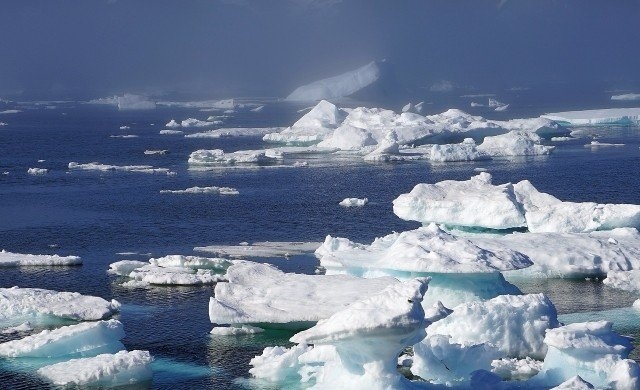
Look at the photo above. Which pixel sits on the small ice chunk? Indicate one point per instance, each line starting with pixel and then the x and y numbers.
pixel 124 136
pixel 9 259
pixel 235 330
pixel 353 202
pixel 192 122
pixel 574 383
pixel 598 144
pixel 125 127
pixel 37 171
pixel 171 132
pixel 516 369
pixel 172 124
pixel 156 152
pixel 235 132
pixel 24 327
pixel 514 143
pixel 203 190
pixel 106 370
pixel 626 96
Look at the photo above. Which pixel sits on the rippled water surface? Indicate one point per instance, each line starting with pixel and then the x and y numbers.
pixel 97 215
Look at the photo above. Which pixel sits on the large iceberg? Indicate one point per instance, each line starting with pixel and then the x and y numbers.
pixel 18 305
pixel 84 339
pixel 460 270
pixel 106 370
pixel 603 117
pixel 477 203
pixel 260 294
pixel 338 86
pixel 9 259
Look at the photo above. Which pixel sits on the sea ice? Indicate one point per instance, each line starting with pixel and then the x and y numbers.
pixel 626 97
pixel 37 171
pixel 171 132
pixel 236 132
pixel 203 190
pixel 95 166
pixel 624 280
pixel 260 249
pixel 514 143
pixel 9 259
pixel 106 370
pixel 82 339
pixel 18 305
pixel 173 124
pixel 598 144
pixel 217 157
pixel 156 152
pixel 235 330
pixel 353 202
pixel 261 294
pixel 192 122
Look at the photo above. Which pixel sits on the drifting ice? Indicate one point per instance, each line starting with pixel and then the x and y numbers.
pixel 203 190
pixel 8 259
pixel 353 202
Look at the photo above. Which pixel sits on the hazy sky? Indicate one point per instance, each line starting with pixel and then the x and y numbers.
pixel 90 48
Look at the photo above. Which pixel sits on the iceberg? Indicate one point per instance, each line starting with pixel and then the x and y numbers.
pixel 338 86
pixel 356 347
pixel 156 152
pixel 192 122
pixel 106 370
pixel 9 259
pixel 312 128
pixel 173 124
pixel 514 143
pixel 260 249
pixel 83 339
pixel 603 117
pixel 353 202
pixel 467 150
pixel 626 97
pixel 624 280
pixel 574 383
pixel 261 295
pixel 460 271
pixel 477 203
pixel 18 305
pixel 203 190
pixel 37 171
pixel 217 157
pixel 591 350
pixel 127 101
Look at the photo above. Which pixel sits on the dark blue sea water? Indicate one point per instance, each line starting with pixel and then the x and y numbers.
pixel 99 214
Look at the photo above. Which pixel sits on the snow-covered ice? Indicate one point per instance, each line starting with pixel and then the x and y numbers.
pixel 106 370
pixel 261 294
pixel 173 124
pixel 353 202
pixel 203 190
pixel 82 339
pixel 260 249
pixel 9 259
pixel 218 157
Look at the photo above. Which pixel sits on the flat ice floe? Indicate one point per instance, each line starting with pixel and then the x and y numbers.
pixel 95 166
pixel 353 202
pixel 260 249
pixel 153 152
pixel 261 294
pixel 604 117
pixel 236 132
pixel 203 190
pixel 108 370
pixel 477 203
pixel 176 270
pixel 18 305
pixel 217 157
pixel 82 339
pixel 9 259
pixel 171 132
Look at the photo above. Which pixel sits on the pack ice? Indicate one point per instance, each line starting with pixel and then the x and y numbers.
pixel 477 203
pixel 9 259
pixel 260 294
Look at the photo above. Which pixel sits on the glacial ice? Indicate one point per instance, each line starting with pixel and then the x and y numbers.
pixel 203 190
pixel 18 305
pixel 479 203
pixel 106 370
pixel 514 143
pixel 82 339
pixel 591 350
pixel 96 166
pixel 312 128
pixel 260 249
pixel 598 144
pixel 353 202
pixel 217 157
pixel 9 259
pixel 624 280
pixel 173 124
pixel 337 86
pixel 261 294
pixel 467 150
pixel 609 116
pixel 574 383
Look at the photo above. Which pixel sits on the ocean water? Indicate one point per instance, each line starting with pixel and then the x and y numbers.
pixel 98 215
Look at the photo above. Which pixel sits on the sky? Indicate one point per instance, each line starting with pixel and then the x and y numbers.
pixel 222 48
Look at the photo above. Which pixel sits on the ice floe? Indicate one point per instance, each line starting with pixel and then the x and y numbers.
pixel 124 136
pixel 626 96
pixel 153 152
pixel 260 294
pixel 96 166
pixel 236 132
pixel 171 132
pixel 353 202
pixel 235 330
pixel 217 157
pixel 203 190
pixel 106 370
pixel 18 305
pixel 9 259
pixel 37 171
pixel 192 122
pixel 603 117
pixel 338 86
pixel 514 143
pixel 598 144
pixel 477 203
pixel 260 249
